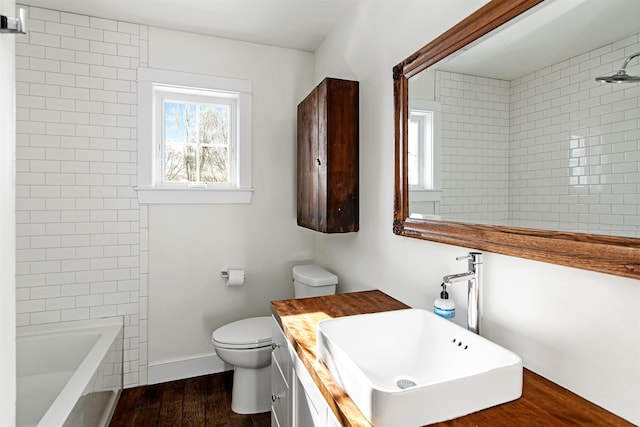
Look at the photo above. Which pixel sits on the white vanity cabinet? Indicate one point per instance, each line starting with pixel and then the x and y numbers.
pixel 296 401
pixel 281 370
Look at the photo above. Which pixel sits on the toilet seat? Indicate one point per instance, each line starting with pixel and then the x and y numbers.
pixel 254 332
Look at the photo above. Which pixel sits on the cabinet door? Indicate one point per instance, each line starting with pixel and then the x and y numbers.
pixel 274 420
pixel 338 153
pixel 280 406
pixel 323 158
pixel 308 410
pixel 309 407
pixel 281 350
pixel 308 161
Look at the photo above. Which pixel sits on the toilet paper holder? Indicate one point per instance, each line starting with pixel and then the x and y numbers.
pixel 234 277
pixel 225 274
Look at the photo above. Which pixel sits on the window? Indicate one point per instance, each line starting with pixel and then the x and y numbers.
pixel 194 138
pixel 423 150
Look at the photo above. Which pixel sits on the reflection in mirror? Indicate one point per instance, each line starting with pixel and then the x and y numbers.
pixel 516 131
pixel 531 157
pixel 423 150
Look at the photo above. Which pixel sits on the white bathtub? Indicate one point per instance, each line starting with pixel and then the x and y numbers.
pixel 69 374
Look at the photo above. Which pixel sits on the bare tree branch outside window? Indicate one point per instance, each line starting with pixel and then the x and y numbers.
pixel 196 142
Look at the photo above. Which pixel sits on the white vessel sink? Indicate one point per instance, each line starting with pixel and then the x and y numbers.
pixel 411 367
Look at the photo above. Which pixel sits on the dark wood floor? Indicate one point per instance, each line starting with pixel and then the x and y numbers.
pixel 199 402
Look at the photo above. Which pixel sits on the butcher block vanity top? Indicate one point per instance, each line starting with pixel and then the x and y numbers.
pixel 542 403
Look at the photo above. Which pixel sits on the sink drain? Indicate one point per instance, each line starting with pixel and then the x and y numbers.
pixel 405 384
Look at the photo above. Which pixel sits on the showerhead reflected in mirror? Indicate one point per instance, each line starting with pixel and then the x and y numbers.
pixel 621 76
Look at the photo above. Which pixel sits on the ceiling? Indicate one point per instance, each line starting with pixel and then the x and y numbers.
pixel 553 31
pixel 294 24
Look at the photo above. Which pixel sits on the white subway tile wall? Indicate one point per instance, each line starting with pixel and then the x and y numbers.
pixel 475 147
pixel 553 149
pixel 81 235
pixel 575 145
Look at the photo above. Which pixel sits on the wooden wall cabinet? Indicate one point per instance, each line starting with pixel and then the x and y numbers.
pixel 328 136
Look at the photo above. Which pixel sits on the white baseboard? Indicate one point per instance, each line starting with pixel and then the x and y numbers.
pixel 171 370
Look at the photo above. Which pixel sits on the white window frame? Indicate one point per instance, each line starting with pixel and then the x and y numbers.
pixel 152 85
pixel 430 158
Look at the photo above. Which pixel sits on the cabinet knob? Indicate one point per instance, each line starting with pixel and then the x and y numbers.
pixel 274 346
pixel 274 397
pixel 318 162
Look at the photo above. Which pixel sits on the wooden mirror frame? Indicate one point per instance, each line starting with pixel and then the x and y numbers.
pixel 607 254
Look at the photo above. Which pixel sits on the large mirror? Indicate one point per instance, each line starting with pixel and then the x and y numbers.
pixel 505 141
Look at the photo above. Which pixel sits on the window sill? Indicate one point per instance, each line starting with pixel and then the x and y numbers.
pixel 194 196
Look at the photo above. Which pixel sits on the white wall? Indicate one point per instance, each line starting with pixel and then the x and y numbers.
pixel 578 328
pixel 190 244
pixel 7 223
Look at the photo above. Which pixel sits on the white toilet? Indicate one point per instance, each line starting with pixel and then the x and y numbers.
pixel 246 344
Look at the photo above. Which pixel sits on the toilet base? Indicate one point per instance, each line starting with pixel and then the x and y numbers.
pixel 251 392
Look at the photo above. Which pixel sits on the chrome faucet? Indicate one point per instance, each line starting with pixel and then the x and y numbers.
pixel 473 278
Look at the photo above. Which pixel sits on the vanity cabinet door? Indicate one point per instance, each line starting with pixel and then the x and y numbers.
pixel 281 351
pixel 280 378
pixel 327 162
pixel 309 406
pixel 280 395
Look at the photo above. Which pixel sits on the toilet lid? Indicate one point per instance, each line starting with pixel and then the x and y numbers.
pixel 253 332
pixel 312 275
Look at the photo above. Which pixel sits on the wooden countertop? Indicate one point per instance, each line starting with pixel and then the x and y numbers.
pixel 543 403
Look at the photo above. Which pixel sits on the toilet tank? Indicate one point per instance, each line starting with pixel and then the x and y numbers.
pixel 312 281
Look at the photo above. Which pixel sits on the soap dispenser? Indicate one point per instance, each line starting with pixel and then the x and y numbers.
pixel 443 306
